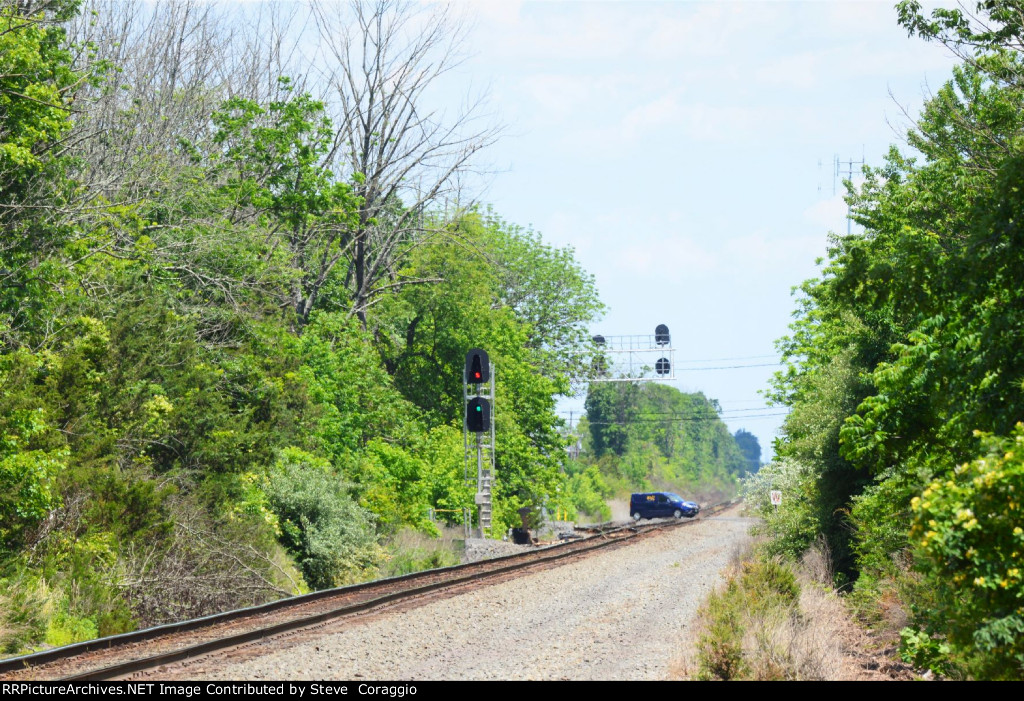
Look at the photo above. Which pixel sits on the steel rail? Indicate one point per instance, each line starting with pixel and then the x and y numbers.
pixel 494 567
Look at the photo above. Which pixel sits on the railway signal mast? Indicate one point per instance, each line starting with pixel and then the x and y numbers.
pixel 478 403
pixel 642 358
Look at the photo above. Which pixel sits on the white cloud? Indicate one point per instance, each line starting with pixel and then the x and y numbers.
pixel 811 69
pixel 709 30
pixel 623 242
pixel 558 96
pixel 671 122
pixel 504 13
pixel 800 70
pixel 858 17
pixel 763 252
pixel 829 214
pixel 700 120
pixel 598 31
pixel 673 255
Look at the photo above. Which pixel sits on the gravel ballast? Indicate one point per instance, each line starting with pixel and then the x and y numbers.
pixel 626 613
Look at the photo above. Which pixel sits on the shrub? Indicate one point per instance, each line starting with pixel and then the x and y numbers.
pixel 969 543
pixel 331 536
pixel 410 551
pixel 761 589
pixel 720 645
pixel 66 628
pixel 585 491
pixel 793 526
pixel 27 471
pixel 765 625
pixel 24 605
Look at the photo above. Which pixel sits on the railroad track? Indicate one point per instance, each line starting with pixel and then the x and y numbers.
pixel 122 655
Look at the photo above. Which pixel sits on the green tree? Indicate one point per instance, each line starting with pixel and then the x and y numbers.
pixel 750 448
pixel 38 197
pixel 908 344
pixel 425 331
pixel 652 434
pixel 271 159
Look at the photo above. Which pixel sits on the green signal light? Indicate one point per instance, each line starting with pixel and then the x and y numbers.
pixel 478 408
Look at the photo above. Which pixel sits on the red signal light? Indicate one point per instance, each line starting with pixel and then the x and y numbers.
pixel 477 367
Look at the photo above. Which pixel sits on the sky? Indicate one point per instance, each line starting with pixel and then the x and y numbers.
pixel 686 150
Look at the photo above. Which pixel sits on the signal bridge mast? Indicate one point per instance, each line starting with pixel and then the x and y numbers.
pixel 643 358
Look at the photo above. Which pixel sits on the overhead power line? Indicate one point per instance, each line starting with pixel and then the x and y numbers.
pixel 722 360
pixel 731 367
pixel 677 413
pixel 682 419
pixel 723 414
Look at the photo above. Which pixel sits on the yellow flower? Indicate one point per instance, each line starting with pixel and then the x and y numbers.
pixel 1018 531
pixel 979 581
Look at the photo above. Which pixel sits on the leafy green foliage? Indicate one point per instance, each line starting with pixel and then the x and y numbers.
pixel 750 448
pixel 34 79
pixel 966 530
pixel 331 535
pixel 354 395
pixel 483 297
pixel 192 416
pixel 924 651
pixel 908 345
pixel 27 477
pixel 37 87
pixel 793 525
pixel 270 163
pixel 585 491
pixel 651 435
pixel 548 290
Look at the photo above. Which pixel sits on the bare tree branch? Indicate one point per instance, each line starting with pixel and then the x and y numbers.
pixel 380 60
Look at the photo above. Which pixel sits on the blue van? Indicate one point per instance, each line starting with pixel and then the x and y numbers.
pixel 661 505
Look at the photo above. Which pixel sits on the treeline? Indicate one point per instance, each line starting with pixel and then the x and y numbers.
pixel 902 449
pixel 650 436
pixel 234 306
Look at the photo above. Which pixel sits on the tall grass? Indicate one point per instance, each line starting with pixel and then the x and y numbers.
pixel 411 551
pixel 772 620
